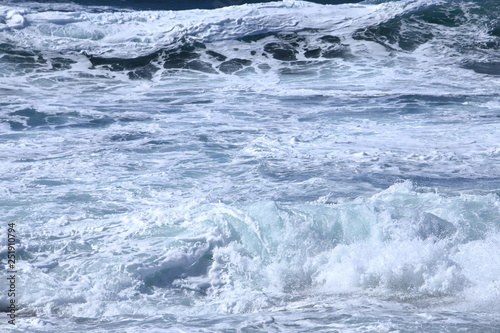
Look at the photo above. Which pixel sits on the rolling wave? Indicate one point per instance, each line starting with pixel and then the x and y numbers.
pixel 402 242
pixel 250 38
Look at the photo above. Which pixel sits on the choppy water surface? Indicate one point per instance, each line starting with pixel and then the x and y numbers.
pixel 267 167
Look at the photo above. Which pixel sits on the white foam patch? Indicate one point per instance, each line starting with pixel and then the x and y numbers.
pixel 128 34
pixel 480 260
pixel 262 255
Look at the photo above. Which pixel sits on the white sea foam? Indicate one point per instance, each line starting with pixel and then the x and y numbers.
pixel 357 192
pixel 262 255
pixel 128 34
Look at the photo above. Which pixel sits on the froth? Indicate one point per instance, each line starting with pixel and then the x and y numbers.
pixel 220 257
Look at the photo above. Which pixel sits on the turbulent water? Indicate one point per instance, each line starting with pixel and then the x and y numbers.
pixel 282 166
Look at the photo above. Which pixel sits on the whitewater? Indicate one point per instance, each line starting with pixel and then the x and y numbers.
pixel 284 166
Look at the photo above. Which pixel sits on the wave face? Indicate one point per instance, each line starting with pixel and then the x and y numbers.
pixel 280 166
pixel 252 37
pixel 213 259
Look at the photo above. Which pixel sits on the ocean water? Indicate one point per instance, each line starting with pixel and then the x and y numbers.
pixel 221 166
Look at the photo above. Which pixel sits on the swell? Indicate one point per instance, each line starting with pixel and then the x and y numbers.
pixel 453 26
pixel 470 29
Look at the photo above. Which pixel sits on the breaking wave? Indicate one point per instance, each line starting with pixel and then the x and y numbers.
pixel 249 38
